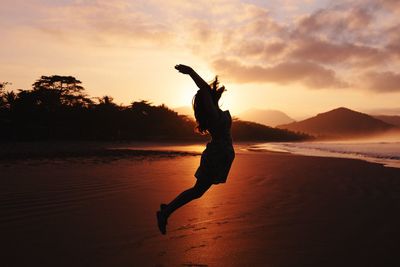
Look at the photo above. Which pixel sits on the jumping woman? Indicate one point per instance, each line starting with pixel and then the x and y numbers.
pixel 217 158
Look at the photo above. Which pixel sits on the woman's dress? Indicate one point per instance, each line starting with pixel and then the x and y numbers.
pixel 216 159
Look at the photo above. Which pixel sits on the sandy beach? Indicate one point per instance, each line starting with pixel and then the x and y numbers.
pixel 275 210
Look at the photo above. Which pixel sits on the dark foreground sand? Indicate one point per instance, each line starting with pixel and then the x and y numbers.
pixel 275 210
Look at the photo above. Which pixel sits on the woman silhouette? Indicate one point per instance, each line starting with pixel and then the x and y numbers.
pixel 217 158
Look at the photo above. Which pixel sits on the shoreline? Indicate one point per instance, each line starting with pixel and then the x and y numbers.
pixel 119 150
pixel 310 152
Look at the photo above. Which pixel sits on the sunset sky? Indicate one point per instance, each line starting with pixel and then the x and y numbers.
pixel 300 57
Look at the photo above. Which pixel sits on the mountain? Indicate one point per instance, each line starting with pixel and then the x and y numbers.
pixel 243 130
pixel 266 117
pixel 394 120
pixel 339 123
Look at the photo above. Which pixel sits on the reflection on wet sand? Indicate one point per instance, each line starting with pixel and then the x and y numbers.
pixel 275 210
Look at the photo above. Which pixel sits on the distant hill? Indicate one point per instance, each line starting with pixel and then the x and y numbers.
pixel 394 120
pixel 339 123
pixel 251 131
pixel 244 130
pixel 266 117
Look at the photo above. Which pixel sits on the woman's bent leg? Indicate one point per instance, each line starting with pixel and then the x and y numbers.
pixel 186 196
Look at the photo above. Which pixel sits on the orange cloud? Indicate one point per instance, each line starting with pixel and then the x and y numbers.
pixel 347 37
pixel 320 50
pixel 387 81
pixel 103 21
pixel 311 74
pixel 325 52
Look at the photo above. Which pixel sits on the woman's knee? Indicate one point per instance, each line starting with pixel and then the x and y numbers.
pixel 199 191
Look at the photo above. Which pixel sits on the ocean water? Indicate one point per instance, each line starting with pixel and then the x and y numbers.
pixel 386 153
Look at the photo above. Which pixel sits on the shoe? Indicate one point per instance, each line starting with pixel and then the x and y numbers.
pixel 162 222
pixel 162 207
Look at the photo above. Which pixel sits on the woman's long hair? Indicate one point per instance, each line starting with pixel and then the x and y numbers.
pixel 203 121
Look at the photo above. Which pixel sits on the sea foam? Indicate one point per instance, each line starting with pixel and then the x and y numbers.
pixel 386 153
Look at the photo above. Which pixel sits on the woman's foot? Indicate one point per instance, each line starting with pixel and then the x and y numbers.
pixel 162 219
pixel 162 223
pixel 162 209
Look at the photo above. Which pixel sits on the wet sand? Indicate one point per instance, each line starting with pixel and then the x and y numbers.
pixel 275 210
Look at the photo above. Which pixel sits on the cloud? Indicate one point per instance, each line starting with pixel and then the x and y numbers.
pixel 319 48
pixel 102 22
pixel 325 52
pixel 392 5
pixel 337 22
pixel 312 75
pixel 387 81
pixel 269 50
pixel 326 48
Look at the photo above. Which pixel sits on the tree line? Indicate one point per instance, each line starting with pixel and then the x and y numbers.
pixel 58 108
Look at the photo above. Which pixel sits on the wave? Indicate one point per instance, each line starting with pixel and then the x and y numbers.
pixel 386 153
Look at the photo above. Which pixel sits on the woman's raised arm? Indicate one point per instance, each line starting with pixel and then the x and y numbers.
pixel 204 87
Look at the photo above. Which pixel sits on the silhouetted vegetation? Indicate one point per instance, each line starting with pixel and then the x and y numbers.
pixel 250 131
pixel 57 108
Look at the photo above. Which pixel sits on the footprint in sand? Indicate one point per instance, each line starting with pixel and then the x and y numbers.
pixel 217 237
pixel 185 227
pixel 200 228
pixel 177 236
pixel 194 247
pixel 194 265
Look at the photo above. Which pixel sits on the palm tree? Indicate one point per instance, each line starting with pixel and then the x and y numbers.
pixel 2 89
pixel 9 98
pixel 106 103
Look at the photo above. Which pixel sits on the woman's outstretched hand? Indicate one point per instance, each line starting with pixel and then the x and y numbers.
pixel 184 69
